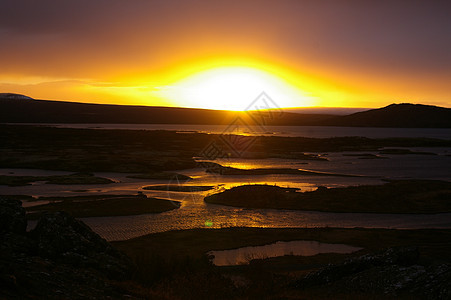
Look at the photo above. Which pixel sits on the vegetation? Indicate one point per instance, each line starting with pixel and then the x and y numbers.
pixel 403 196
pixel 212 167
pixel 404 152
pixel 174 264
pixel 76 178
pixel 150 152
pixel 160 175
pixel 102 206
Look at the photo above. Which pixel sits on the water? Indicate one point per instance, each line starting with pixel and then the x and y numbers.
pixel 216 216
pixel 290 131
pixel 194 213
pixel 244 255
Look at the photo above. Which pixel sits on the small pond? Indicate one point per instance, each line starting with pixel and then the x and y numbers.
pixel 244 255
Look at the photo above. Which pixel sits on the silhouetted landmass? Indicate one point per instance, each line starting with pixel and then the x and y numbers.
pixel 62 258
pixel 414 272
pixel 161 175
pixel 13 96
pixel 405 152
pixel 76 178
pixel 403 196
pixel 21 109
pixel 397 115
pixel 103 206
pixel 212 167
pixel 14 110
pixel 150 152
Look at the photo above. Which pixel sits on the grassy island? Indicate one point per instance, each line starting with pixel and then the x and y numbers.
pixel 401 196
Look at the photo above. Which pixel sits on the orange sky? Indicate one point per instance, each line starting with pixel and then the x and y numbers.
pixel 326 53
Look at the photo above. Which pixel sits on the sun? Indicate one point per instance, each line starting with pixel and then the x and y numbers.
pixel 232 88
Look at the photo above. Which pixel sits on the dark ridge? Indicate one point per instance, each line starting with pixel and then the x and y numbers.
pixel 398 115
pixel 45 111
pixel 14 96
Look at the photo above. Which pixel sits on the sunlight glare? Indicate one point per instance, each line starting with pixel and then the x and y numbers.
pixel 233 88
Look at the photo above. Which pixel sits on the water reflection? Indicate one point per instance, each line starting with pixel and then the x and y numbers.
pixel 194 212
pixel 244 255
pixel 189 217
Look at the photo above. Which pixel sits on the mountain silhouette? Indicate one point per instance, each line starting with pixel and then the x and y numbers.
pixel 15 108
pixel 397 115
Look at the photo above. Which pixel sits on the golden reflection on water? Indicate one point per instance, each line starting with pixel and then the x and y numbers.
pixel 243 165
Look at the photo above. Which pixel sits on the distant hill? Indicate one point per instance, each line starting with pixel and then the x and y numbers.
pixel 340 111
pixel 397 115
pixel 14 96
pixel 16 108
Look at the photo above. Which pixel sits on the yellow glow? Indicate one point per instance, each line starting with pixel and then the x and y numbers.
pixel 232 88
pixel 216 82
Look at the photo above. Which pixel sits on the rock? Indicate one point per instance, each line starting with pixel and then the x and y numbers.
pixel 61 258
pixel 404 256
pixel 431 282
pixel 62 238
pixel 321 188
pixel 33 277
pixel 392 273
pixel 12 217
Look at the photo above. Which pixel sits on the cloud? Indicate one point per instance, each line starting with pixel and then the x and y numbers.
pixel 355 42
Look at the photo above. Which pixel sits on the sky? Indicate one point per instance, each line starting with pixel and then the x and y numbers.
pixel 222 54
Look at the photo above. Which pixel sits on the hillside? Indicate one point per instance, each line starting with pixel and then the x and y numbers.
pixel 21 109
pixel 397 115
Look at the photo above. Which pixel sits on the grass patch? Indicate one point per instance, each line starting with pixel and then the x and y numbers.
pixel 76 178
pixel 212 167
pixel 113 206
pixel 161 175
pixel 403 196
pixel 194 243
pixel 141 151
pixel 170 261
pixel 405 152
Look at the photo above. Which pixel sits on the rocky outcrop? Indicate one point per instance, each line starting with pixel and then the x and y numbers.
pixel 393 272
pixel 61 258
pixel 403 256
pixel 12 217
pixel 64 239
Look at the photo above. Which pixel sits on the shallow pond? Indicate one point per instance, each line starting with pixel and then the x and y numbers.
pixel 244 255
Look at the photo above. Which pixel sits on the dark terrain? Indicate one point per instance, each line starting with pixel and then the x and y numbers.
pixel 101 206
pixel 400 196
pixel 63 259
pixel 153 153
pixel 24 110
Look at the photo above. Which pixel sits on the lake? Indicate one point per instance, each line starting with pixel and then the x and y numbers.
pixel 194 213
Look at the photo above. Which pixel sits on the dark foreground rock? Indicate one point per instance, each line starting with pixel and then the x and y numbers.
pixel 12 217
pixel 61 258
pixel 64 239
pixel 395 272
